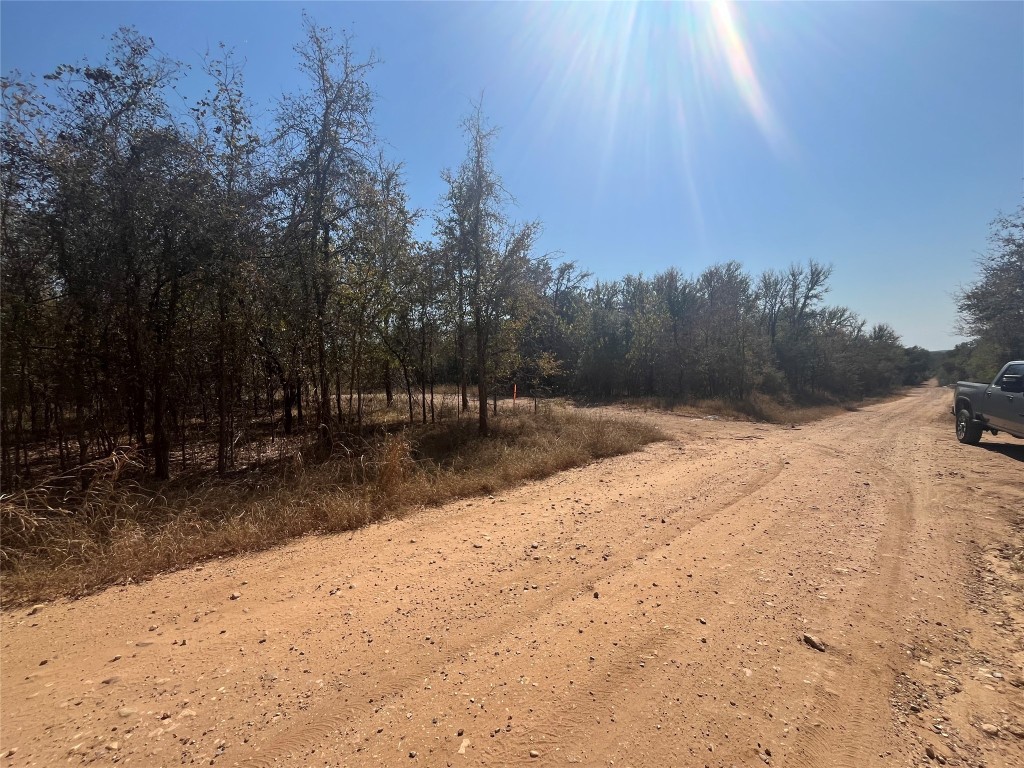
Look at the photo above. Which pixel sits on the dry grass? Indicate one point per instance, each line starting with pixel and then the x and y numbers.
pixel 759 408
pixel 58 541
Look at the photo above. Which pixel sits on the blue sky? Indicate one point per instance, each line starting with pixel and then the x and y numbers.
pixel 879 137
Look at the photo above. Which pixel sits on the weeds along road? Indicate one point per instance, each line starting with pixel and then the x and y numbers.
pixel 648 610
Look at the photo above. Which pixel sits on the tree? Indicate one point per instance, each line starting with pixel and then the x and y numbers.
pixel 128 184
pixel 491 257
pixel 379 264
pixel 804 288
pixel 235 218
pixel 324 134
pixel 26 344
pixel 992 308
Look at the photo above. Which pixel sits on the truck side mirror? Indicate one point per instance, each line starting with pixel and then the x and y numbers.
pixel 1012 382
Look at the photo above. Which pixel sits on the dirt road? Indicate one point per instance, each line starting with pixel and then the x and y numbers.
pixel 644 611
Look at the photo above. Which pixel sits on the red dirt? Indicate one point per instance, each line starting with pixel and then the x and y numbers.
pixel 648 610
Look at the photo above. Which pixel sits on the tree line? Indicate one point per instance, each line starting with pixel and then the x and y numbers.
pixel 175 270
pixel 991 309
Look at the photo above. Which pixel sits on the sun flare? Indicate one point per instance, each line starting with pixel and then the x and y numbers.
pixel 630 62
pixel 733 48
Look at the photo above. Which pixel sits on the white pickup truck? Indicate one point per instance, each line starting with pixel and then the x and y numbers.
pixel 994 407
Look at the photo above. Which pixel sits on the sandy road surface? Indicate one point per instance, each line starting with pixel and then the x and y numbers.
pixel 646 611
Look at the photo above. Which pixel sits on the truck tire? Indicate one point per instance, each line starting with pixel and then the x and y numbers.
pixel 968 431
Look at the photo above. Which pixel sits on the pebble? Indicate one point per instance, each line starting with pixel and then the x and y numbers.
pixel 462 747
pixel 934 754
pixel 35 609
pixel 814 642
pixel 111 680
pixel 186 713
pixel 127 711
pixel 990 729
pixel 412 755
pixel 534 753
pixel 235 595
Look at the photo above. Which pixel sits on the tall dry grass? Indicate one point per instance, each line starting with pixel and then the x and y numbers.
pixel 61 541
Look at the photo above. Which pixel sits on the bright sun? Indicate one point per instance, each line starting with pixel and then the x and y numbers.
pixel 657 83
pixel 638 61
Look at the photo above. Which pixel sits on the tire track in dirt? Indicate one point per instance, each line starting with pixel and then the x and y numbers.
pixel 859 712
pixel 330 717
pixel 838 713
pixel 601 680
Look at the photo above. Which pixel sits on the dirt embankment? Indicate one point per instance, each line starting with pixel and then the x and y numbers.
pixel 648 610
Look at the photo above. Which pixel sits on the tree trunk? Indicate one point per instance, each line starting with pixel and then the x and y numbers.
pixel 481 365
pixel 255 379
pixel 62 442
pixel 408 388
pixel 352 377
pixel 161 442
pixel 463 380
pixel 222 389
pixel 179 421
pixel 289 398
pixel 423 370
pixel 83 443
pixel 431 379
pixel 359 403
pixel 139 406
pixel 323 380
pixel 7 473
pixel 337 396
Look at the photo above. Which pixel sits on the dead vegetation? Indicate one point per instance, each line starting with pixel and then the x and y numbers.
pixel 759 407
pixel 59 540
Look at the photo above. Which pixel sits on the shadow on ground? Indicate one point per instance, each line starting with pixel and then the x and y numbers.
pixel 1006 449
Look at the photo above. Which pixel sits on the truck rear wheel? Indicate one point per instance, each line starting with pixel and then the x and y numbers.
pixel 968 431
